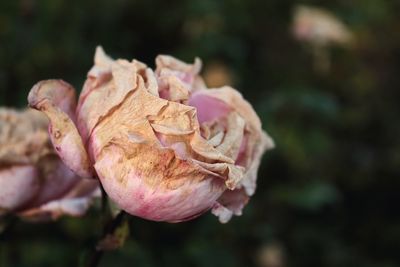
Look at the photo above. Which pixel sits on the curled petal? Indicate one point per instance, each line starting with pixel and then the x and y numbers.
pixel 254 142
pixel 230 203
pixel 250 178
pixel 233 137
pixel 186 71
pixel 151 82
pixel 233 173
pixel 177 79
pixel 56 99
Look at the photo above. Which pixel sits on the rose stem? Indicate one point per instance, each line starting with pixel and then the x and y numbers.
pixel 109 228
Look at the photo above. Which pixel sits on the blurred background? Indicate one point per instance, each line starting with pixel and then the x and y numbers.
pixel 324 82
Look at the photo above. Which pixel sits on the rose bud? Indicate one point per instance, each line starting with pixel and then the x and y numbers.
pixel 164 147
pixel 34 182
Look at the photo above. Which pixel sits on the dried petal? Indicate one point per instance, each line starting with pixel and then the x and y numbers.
pixel 33 180
pixel 23 137
pixel 165 147
pixel 230 203
pixel 57 100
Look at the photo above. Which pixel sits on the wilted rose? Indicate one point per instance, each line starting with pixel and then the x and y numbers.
pixel 164 147
pixel 34 182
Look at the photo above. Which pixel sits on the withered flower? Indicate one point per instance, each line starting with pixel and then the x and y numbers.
pixel 164 147
pixel 34 182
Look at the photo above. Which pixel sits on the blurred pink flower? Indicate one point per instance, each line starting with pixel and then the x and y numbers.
pixel 164 147
pixel 320 27
pixel 34 183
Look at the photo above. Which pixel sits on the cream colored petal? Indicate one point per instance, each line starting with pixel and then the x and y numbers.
pixel 169 62
pixel 141 105
pixel 177 79
pixel 23 136
pixel 224 214
pixel 102 100
pixel 213 131
pixel 201 147
pixel 99 74
pixel 56 99
pixel 133 111
pixel 230 203
pixel 177 90
pixel 102 64
pixel 151 82
pixel 250 178
pixel 216 140
pixel 233 137
pixel 176 116
pixel 233 173
pixel 170 131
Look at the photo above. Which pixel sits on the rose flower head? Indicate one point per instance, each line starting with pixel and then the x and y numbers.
pixel 164 146
pixel 34 183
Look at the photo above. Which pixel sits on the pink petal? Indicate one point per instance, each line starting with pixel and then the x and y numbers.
pixel 18 185
pixel 135 187
pixel 208 107
pixel 56 99
pixel 56 178
pixel 74 203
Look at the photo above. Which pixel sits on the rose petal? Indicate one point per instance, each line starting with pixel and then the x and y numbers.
pixel 18 185
pixel 57 100
pixel 75 203
pixel 186 71
pixel 208 107
pixel 230 203
pixel 23 136
pixel 232 98
pixel 250 178
pixel 230 145
pixel 106 95
pixel 160 188
pixel 56 180
pixel 54 209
